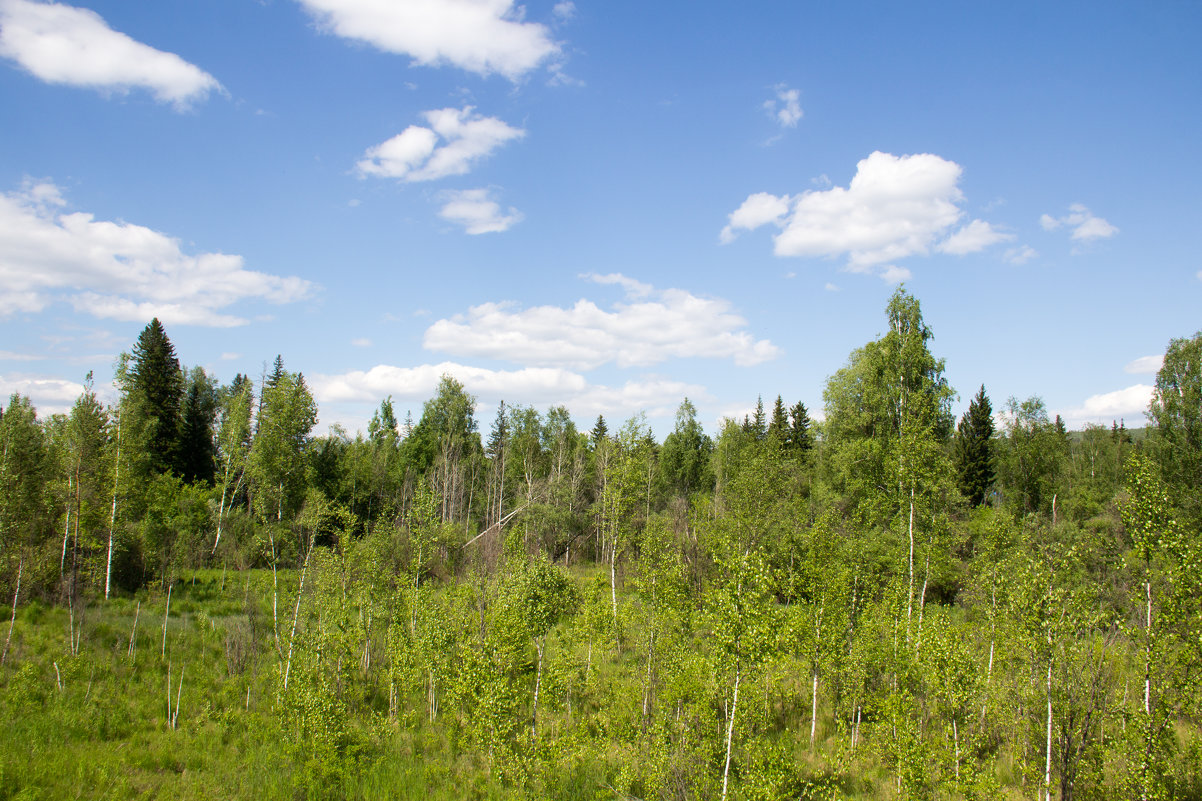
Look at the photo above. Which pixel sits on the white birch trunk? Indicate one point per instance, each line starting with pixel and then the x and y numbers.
pixel 296 615
pixel 1047 774
pixel 166 612
pixel 179 692
pixel 814 710
pixel 730 730
pixel 134 632
pixel 910 593
pixel 108 569
pixel 62 565
pixel 956 737
pixel 13 620
pixel 538 680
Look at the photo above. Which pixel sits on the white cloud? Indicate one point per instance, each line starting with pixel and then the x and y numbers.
pixel 758 209
pixel 230 356
pixel 892 274
pixel 894 207
pixel 974 237
pixel 361 342
pixel 785 107
pixel 481 36
pixel 538 386
pixel 48 395
pixel 416 155
pixel 118 270
pixel 75 46
pixel 1129 404
pixel 1083 222
pixel 1020 255
pixel 564 11
pixel 633 287
pixel 831 287
pixel 477 212
pixel 638 333
pixel 1145 365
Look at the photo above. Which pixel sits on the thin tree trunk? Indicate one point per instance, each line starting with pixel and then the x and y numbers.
pixel 992 641
pixel 296 615
pixel 647 687
pixel 910 593
pixel 134 632
pixel 814 709
pixel 275 593
pixel 730 730
pixel 1147 762
pixel 922 602
pixel 108 569
pixel 166 612
pixel 538 680
pixel 956 736
pixel 179 692
pixel 1047 774
pixel 613 587
pixel 13 621
pixel 62 565
pixel 220 517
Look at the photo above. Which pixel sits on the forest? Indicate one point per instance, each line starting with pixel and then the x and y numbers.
pixel 209 600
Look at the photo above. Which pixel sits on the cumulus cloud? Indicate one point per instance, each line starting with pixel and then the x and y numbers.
pixel 672 323
pixel 1084 224
pixel 758 209
pixel 785 107
pixel 48 395
pixel 62 44
pixel 1129 404
pixel 974 237
pixel 481 36
pixel 477 212
pixel 1145 365
pixel 634 288
pixel 537 386
pixel 118 270
pixel 894 207
pixel 454 142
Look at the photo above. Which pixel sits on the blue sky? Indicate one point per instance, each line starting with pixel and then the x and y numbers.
pixel 609 206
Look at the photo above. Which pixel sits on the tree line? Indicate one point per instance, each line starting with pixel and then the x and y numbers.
pixel 946 607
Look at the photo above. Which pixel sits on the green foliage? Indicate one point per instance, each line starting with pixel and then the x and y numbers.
pixel 1176 416
pixel 155 392
pixel 684 459
pixel 287 414
pixel 974 449
pixel 791 611
pixel 198 450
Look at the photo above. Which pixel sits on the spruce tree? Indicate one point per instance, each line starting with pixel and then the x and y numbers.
pixel 157 389
pixel 778 426
pixel 799 429
pixel 600 431
pixel 974 449
pixel 198 450
pixel 759 423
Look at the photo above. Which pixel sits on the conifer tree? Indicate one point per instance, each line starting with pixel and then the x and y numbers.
pixel 198 450
pixel 799 428
pixel 600 431
pixel 778 426
pixel 156 388
pixel 974 449
pixel 759 423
